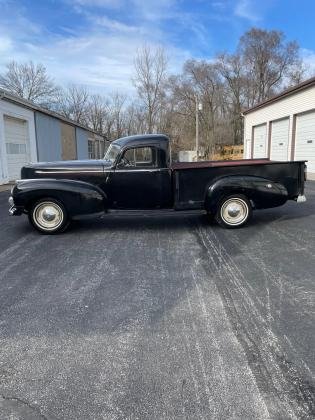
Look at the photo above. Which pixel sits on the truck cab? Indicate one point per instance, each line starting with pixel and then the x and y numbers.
pixel 143 163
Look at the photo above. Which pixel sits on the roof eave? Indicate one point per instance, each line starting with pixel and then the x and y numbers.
pixel 30 105
pixel 302 86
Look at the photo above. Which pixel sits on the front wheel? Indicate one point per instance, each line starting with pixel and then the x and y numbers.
pixel 233 211
pixel 48 216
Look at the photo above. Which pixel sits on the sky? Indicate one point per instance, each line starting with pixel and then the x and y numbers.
pixel 93 42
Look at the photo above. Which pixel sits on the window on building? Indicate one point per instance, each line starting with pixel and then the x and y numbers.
pixel 16 149
pixel 91 149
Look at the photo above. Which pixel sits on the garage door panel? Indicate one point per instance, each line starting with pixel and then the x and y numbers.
pixel 260 141
pixel 279 140
pixel 305 139
pixel 17 145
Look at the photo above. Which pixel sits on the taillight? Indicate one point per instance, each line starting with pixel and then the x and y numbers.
pixel 305 172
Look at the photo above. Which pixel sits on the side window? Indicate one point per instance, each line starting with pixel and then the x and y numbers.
pixel 139 157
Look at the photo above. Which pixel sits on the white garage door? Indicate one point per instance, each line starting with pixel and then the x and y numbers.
pixel 305 139
pixel 260 140
pixel 279 139
pixel 17 145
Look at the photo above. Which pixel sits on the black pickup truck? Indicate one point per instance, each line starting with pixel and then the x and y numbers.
pixel 136 173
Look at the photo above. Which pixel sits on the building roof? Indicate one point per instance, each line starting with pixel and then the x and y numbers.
pixel 295 89
pixel 31 105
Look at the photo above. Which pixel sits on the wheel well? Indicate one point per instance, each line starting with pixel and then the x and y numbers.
pixel 31 202
pixel 212 203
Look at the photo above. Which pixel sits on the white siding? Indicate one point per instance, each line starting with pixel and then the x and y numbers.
pixel 279 139
pixel 305 140
pixel 11 110
pixel 288 107
pixel 260 141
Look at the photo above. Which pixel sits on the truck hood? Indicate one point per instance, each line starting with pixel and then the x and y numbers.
pixel 39 169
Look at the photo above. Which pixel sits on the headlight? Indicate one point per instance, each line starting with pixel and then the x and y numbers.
pixel 11 201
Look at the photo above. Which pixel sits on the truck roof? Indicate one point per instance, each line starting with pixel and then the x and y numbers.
pixel 142 138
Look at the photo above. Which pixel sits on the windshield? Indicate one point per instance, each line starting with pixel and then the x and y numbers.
pixel 112 153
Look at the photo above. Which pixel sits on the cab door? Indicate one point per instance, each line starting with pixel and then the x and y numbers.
pixel 135 183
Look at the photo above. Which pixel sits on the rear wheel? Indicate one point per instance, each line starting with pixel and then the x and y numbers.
pixel 48 216
pixel 233 211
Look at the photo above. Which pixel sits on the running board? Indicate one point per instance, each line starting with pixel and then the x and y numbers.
pixel 154 212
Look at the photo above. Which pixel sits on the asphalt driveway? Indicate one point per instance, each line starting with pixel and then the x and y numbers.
pixel 159 318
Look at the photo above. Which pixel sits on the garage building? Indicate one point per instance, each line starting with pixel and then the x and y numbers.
pixel 29 133
pixel 283 127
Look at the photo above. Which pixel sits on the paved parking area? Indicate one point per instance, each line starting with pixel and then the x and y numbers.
pixel 159 318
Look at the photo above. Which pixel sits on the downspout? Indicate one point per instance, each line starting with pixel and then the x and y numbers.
pixel 243 136
pixel 1 159
pixel 35 129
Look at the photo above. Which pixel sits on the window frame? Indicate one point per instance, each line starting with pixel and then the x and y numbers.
pixel 154 165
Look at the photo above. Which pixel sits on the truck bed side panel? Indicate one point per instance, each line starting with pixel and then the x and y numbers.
pixel 191 183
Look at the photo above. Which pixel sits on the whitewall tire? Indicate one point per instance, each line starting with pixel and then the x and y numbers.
pixel 48 216
pixel 233 211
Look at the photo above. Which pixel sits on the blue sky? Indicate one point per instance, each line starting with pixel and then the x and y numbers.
pixel 93 42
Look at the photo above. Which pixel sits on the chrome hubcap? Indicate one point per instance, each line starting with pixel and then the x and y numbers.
pixel 48 215
pixel 234 211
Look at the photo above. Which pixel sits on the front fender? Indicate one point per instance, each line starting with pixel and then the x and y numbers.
pixel 79 197
pixel 262 192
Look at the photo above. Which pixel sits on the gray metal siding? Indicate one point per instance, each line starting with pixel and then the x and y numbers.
pixel 82 143
pixel 48 137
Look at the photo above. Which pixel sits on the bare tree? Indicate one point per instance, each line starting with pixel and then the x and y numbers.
pixel 73 103
pixel 150 69
pixel 97 113
pixel 233 73
pixel 200 81
pixel 118 114
pixel 269 61
pixel 29 81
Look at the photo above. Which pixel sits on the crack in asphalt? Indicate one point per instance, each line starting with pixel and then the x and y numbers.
pixel 24 403
pixel 294 393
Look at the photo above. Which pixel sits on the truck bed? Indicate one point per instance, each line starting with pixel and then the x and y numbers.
pixel 191 179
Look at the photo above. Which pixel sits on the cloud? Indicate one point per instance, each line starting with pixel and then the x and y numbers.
pixel 308 57
pixel 101 61
pixel 114 25
pixel 247 9
pixel 99 51
pixel 5 44
pixel 112 4
pixel 155 10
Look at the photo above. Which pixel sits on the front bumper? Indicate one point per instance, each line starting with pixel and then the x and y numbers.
pixel 11 201
pixel 14 210
pixel 301 199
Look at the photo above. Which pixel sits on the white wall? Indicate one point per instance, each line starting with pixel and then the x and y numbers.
pixel 286 107
pixel 187 156
pixel 12 110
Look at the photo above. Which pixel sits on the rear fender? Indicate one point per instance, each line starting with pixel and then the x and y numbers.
pixel 78 197
pixel 263 193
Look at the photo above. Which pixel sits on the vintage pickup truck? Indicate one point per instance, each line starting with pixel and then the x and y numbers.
pixel 136 173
